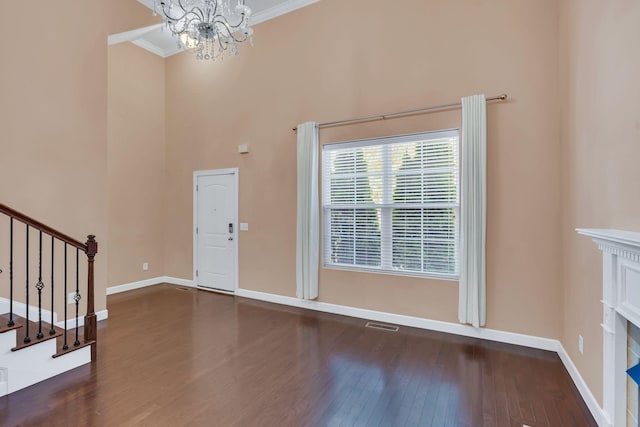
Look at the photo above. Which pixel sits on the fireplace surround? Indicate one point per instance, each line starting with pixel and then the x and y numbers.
pixel 620 306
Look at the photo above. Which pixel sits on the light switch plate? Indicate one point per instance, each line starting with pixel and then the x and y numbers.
pixel 244 226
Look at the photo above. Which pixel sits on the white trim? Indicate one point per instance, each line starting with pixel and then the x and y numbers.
pixel 153 48
pixel 149 282
pixel 71 322
pixel 134 285
pixel 612 236
pixel 236 174
pixel 148 3
pixel 399 319
pixel 278 10
pixel 129 36
pixel 178 282
pixel 19 308
pixel 172 51
pixel 588 397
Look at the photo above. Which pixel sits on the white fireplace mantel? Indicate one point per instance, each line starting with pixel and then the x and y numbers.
pixel 621 303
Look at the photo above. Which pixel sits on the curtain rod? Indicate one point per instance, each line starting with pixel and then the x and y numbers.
pixel 401 113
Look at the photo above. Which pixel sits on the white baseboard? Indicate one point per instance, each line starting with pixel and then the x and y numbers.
pixel 176 281
pixel 447 327
pixel 71 323
pixel 20 309
pixel 598 413
pixel 149 282
pixel 134 285
pixel 415 322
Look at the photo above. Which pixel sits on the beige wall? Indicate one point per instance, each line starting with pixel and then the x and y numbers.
pixel 53 109
pixel 316 64
pixel 135 164
pixel 600 68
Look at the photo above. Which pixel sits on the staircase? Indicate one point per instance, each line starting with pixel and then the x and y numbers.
pixel 39 273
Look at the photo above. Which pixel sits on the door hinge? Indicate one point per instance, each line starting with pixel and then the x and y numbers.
pixel 196 273
pixel 197 187
pixel 196 230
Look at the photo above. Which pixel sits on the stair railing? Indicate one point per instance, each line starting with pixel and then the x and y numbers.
pixel 90 249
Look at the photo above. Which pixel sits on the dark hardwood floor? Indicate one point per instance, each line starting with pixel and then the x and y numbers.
pixel 174 357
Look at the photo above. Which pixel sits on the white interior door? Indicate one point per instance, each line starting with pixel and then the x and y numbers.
pixel 215 258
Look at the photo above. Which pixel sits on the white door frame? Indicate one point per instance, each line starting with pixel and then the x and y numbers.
pixel 196 174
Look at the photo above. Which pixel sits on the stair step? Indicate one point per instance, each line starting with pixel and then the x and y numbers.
pixel 61 352
pixel 4 321
pixel 21 331
pixel 33 332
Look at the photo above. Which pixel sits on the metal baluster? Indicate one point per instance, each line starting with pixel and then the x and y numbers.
pixel 52 331
pixel 77 295
pixel 26 338
pixel 39 287
pixel 11 322
pixel 65 346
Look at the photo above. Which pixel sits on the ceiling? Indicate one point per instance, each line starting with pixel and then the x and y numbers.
pixel 158 39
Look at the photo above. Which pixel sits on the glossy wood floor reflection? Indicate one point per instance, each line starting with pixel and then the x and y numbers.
pixel 174 357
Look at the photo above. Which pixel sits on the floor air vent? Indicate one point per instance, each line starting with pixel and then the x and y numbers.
pixel 381 326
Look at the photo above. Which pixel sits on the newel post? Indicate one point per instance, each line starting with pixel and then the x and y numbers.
pixel 90 321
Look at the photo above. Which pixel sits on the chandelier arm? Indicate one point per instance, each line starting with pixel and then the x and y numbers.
pixel 223 46
pixel 230 32
pixel 214 12
pixel 200 13
pixel 168 15
pixel 223 20
pixel 227 27
pixel 186 10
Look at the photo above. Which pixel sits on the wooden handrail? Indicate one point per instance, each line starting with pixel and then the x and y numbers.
pixel 90 248
pixel 42 227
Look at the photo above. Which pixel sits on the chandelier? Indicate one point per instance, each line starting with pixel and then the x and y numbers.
pixel 210 29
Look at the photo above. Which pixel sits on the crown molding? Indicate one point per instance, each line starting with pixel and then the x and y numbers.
pixel 129 36
pixel 280 9
pixel 150 47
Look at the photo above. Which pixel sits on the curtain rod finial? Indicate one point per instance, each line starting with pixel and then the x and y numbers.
pixel 503 97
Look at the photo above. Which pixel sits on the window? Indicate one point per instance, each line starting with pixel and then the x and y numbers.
pixel 391 204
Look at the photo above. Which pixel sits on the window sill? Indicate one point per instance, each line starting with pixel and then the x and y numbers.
pixel 433 276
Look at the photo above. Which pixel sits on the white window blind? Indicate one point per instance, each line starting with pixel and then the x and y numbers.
pixel 391 204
